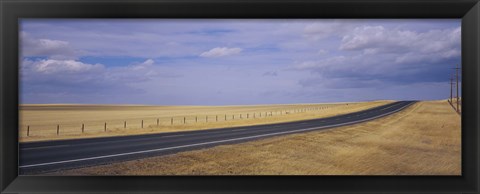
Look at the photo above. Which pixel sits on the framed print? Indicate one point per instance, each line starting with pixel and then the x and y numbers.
pixel 239 96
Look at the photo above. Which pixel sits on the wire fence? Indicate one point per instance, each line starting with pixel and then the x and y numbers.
pixel 60 128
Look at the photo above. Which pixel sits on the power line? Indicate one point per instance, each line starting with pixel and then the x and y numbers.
pixel 455 77
pixel 451 88
pixel 458 97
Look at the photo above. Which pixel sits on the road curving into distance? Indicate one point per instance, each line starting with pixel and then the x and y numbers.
pixel 40 157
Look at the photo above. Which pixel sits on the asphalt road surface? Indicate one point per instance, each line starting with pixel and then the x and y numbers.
pixel 40 157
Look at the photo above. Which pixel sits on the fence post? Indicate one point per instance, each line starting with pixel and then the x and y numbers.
pixel 142 124
pixel 216 118
pixel 241 116
pixel 158 122
pixel 58 129
pixel 196 119
pixel 83 127
pixel 183 120
pixel 206 119
pixel 225 116
pixel 105 126
pixel 247 115
pixel 28 130
pixel 171 122
pixel 124 124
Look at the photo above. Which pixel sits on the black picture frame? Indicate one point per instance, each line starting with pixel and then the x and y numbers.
pixel 12 10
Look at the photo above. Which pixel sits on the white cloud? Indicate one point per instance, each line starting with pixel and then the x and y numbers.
pixel 53 66
pixel 321 30
pixel 45 47
pixel 134 73
pixel 379 47
pixel 73 75
pixel 374 52
pixel 146 64
pixel 221 51
pixel 378 39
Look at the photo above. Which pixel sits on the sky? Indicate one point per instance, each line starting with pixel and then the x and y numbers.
pixel 236 62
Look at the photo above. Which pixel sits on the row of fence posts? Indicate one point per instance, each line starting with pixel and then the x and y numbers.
pixel 196 119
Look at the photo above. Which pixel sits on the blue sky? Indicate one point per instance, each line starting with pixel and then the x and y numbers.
pixel 235 62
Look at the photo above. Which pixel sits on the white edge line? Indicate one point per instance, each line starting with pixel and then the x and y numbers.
pixel 43 147
pixel 243 129
pixel 387 107
pixel 174 135
pixel 212 142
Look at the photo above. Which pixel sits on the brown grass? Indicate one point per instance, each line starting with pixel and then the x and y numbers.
pixel 424 139
pixel 454 104
pixel 43 119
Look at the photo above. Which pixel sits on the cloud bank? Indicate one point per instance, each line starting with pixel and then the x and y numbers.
pixel 223 62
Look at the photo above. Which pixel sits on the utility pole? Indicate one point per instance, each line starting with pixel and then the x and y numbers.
pixel 458 97
pixel 451 89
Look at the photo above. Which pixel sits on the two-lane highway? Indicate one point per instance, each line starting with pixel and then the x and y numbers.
pixel 38 157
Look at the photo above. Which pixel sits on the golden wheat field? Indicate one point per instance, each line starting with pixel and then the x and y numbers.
pixel 62 121
pixel 424 139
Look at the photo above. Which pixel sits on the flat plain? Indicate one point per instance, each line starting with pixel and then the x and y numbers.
pixel 67 121
pixel 423 139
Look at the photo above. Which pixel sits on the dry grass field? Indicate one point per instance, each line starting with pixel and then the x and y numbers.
pixel 423 139
pixel 39 122
pixel 454 104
